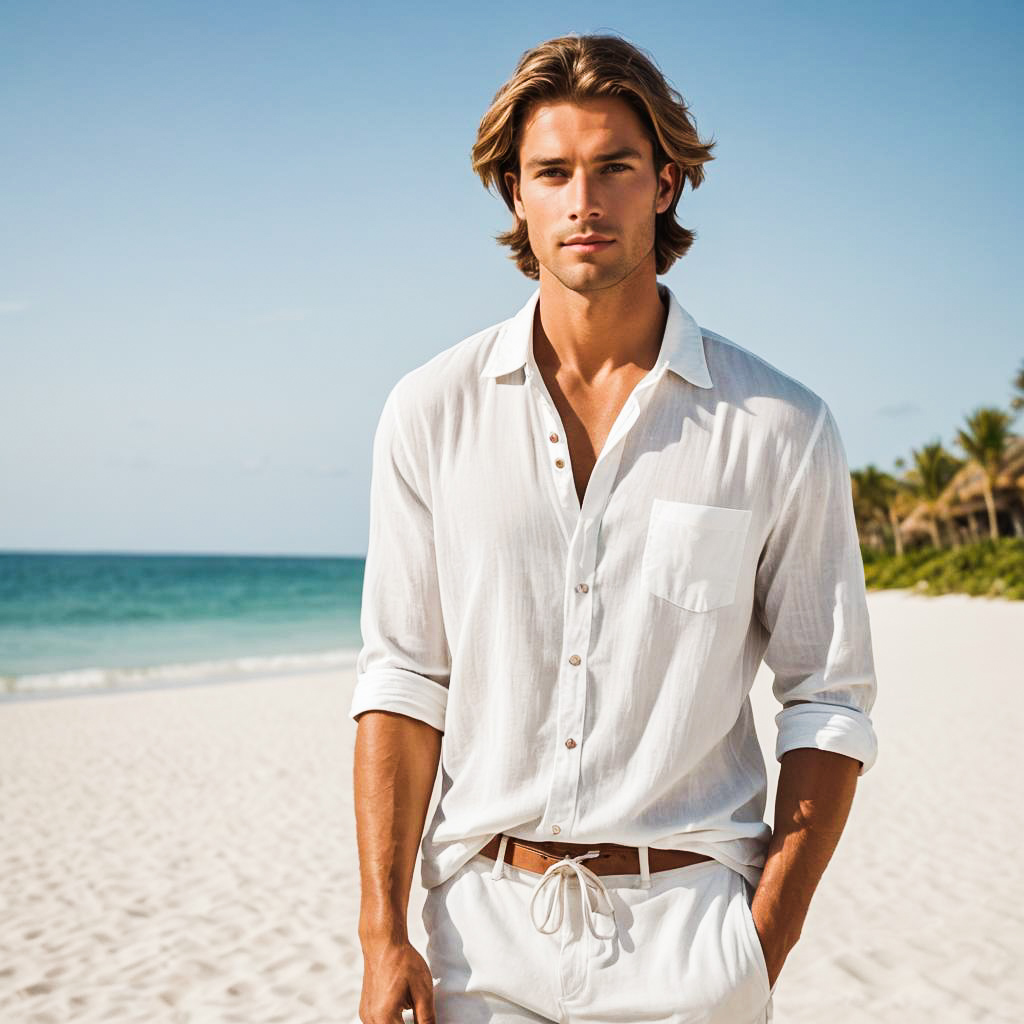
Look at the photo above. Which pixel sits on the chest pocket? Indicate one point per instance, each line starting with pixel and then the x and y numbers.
pixel 693 553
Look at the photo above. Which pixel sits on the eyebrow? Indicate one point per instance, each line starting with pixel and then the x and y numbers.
pixel 601 158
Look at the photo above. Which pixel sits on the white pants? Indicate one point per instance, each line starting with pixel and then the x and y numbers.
pixel 570 946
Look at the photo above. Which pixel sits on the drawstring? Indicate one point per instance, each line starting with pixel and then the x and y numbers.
pixel 593 894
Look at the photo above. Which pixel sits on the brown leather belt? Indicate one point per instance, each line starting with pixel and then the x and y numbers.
pixel 614 859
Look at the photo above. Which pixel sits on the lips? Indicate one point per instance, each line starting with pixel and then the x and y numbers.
pixel 589 244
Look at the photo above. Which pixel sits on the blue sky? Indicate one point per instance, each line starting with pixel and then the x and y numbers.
pixel 230 228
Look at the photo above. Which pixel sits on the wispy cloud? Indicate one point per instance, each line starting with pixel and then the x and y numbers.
pixel 256 464
pixel 899 409
pixel 7 306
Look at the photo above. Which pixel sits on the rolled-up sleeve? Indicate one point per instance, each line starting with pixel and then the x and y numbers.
pixel 810 596
pixel 404 663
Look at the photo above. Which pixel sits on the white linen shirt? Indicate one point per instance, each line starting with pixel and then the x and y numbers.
pixel 590 666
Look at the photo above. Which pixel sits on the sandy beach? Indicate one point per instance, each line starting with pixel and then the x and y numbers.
pixel 188 855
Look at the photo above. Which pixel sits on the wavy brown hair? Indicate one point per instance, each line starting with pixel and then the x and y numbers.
pixel 577 67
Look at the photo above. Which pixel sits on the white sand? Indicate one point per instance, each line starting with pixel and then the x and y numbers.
pixel 188 856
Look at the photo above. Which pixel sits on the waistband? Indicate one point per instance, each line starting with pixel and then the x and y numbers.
pixel 557 863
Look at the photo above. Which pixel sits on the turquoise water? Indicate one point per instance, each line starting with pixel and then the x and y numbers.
pixel 104 621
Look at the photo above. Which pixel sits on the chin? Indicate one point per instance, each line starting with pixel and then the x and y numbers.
pixel 592 278
pixel 584 277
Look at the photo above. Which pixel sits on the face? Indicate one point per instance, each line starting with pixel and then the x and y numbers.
pixel 587 169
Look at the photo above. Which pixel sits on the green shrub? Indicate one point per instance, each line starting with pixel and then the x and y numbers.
pixel 986 568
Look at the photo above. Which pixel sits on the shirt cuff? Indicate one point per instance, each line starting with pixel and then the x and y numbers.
pixel 827 727
pixel 397 689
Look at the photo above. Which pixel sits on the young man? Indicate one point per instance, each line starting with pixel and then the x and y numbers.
pixel 589 525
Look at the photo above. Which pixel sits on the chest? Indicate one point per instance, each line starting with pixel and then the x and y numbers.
pixel 504 499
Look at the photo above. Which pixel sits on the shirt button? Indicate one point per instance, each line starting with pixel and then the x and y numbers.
pixel 556 829
pixel 574 659
pixel 570 743
pixel 553 438
pixel 582 587
pixel 560 463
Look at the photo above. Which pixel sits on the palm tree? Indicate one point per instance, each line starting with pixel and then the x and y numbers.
pixel 1017 401
pixel 934 467
pixel 985 441
pixel 874 495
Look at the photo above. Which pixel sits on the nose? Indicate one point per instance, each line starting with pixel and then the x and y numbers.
pixel 584 201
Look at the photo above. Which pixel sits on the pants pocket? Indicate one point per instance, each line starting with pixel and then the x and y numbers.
pixel 746 897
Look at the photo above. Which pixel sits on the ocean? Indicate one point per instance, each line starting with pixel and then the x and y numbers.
pixel 74 623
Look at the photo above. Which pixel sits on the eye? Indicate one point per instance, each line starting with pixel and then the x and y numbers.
pixel 558 170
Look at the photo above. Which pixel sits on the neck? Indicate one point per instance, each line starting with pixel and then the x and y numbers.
pixel 591 334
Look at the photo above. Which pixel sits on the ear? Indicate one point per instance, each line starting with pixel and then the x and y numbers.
pixel 669 179
pixel 512 184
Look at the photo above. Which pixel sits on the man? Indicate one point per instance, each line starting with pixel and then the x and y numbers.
pixel 589 524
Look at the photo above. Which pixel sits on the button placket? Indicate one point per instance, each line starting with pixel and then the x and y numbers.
pixel 556 453
pixel 578 629
pixel 583 522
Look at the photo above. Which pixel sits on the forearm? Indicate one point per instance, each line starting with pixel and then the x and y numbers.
pixel 813 799
pixel 395 765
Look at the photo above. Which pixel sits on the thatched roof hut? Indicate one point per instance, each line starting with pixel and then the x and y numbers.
pixel 961 506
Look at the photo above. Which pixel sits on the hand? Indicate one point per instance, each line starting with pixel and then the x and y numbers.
pixel 395 978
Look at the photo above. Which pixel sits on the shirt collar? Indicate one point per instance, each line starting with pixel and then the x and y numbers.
pixel 682 346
